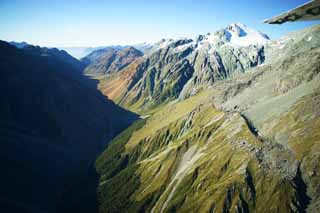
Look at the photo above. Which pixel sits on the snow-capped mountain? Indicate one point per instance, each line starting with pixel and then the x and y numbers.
pixel 236 35
pixel 241 35
pixel 149 47
pixel 181 67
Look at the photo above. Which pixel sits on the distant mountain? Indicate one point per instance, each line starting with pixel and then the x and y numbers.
pixel 109 60
pixel 80 52
pixel 144 47
pixel 180 68
pixel 150 47
pixel 52 125
pixel 77 52
pixel 60 55
pixel 19 44
pixel 50 52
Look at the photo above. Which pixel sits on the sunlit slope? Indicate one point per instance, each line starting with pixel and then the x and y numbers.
pixel 197 160
pixel 181 68
pixel 116 85
pixel 109 60
pixel 248 143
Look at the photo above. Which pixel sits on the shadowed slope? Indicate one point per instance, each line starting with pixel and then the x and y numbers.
pixel 53 123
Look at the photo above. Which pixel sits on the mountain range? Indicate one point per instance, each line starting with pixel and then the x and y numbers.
pixel 230 124
pixel 227 121
pixel 180 68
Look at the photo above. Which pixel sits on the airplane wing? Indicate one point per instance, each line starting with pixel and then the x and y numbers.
pixel 308 11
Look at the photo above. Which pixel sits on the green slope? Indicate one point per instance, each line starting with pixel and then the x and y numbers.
pixel 247 144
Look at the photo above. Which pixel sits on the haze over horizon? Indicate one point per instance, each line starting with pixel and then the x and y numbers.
pixel 95 23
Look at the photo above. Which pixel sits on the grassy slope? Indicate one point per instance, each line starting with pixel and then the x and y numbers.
pixel 300 126
pixel 190 157
pixel 149 167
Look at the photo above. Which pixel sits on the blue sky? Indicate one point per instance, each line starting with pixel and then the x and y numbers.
pixel 95 23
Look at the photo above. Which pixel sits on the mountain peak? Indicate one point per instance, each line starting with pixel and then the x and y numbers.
pixel 19 45
pixel 238 29
pixel 239 34
pixel 110 59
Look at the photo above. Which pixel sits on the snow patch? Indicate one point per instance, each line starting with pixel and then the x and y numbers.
pixel 236 35
pixel 241 35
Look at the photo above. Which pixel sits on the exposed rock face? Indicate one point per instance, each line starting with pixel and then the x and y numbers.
pixel 247 141
pixel 181 68
pixel 280 99
pixel 109 60
pixel 114 86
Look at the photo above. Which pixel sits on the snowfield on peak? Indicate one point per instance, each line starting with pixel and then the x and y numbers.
pixel 235 35
pixel 181 67
pixel 241 35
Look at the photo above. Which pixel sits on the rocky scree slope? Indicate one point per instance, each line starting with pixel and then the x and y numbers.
pixel 244 144
pixel 280 99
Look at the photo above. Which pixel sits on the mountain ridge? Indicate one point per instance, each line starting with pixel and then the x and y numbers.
pixel 245 143
pixel 109 60
pixel 53 123
pixel 226 122
pixel 208 58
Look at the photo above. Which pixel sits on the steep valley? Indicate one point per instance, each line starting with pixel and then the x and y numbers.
pixel 159 106
pixel 224 122
pixel 53 125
